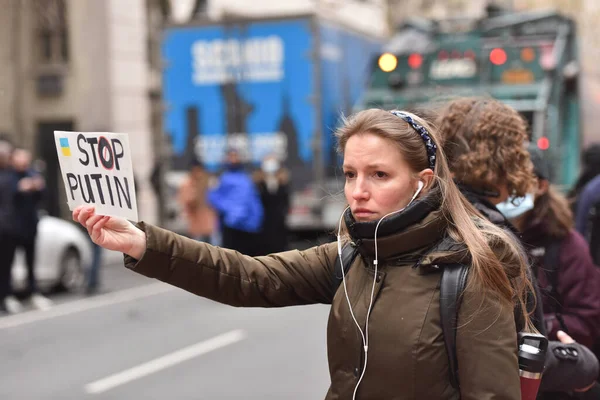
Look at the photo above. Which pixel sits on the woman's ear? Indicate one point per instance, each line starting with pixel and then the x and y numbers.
pixel 543 186
pixel 426 176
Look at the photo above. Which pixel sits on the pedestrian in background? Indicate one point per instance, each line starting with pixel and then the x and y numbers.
pixel 585 199
pixel 569 280
pixel 590 168
pixel 238 205
pixel 272 182
pixel 8 244
pixel 30 189
pixel 92 277
pixel 192 196
pixel 485 142
pixel 587 215
pixel 407 219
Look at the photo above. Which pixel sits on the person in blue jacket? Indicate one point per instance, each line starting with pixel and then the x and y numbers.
pixel 236 200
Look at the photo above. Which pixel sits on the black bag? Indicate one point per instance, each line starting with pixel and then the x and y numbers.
pixel 551 257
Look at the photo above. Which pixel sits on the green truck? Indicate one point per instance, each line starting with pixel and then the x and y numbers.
pixel 527 60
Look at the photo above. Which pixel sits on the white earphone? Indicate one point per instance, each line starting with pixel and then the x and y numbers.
pixel 365 334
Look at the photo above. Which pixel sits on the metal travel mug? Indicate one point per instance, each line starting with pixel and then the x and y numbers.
pixel 532 357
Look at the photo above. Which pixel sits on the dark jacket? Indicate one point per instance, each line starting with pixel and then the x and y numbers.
pixel 587 217
pixel 589 197
pixel 578 284
pixel 562 374
pixel 407 357
pixel 26 207
pixel 8 189
pixel 489 211
pixel 276 204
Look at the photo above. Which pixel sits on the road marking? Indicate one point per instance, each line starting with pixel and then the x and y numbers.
pixel 60 310
pixel 164 362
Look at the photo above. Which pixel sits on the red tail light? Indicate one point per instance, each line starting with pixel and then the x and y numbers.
pixel 498 56
pixel 415 61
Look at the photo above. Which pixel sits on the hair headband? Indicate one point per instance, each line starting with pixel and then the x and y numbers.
pixel 429 145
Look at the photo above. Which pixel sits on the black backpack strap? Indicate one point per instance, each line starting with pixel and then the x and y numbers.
pixel 349 253
pixel 551 258
pixel 452 285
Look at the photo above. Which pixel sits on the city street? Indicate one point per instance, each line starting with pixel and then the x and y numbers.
pixel 142 339
pixel 448 150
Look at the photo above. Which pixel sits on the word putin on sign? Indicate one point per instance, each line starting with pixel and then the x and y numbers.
pixel 97 169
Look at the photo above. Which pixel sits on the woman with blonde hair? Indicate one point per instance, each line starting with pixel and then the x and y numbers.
pixel 407 219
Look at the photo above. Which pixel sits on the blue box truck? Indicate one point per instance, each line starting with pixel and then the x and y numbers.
pixel 264 86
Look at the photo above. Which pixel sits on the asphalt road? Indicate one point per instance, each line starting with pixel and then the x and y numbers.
pixel 142 339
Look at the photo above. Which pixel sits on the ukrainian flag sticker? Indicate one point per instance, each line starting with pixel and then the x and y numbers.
pixel 64 146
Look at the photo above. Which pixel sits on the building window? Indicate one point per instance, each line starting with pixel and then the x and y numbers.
pixel 51 31
pixel 157 13
pixel 200 9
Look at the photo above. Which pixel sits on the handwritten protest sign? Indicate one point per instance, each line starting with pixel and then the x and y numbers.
pixel 96 168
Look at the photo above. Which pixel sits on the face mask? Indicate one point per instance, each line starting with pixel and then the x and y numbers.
pixel 511 211
pixel 270 166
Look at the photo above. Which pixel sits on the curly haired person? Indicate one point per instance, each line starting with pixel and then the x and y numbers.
pixel 485 144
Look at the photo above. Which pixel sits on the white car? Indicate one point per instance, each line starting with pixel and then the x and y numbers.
pixel 63 253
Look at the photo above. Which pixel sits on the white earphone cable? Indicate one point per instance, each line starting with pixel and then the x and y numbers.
pixel 365 334
pixel 339 243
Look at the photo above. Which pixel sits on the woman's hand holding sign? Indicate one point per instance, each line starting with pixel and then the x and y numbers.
pixel 112 233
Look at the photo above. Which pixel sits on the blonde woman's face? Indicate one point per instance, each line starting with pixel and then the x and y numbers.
pixel 378 179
